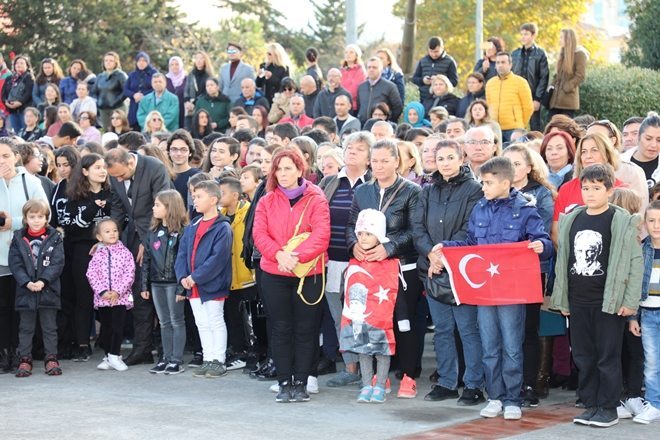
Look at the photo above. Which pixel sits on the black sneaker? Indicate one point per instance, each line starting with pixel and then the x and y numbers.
pixel 471 397
pixel 585 417
pixel 529 397
pixel 326 366
pixel 159 367
pixel 439 393
pixel 299 392
pixel 268 373
pixel 251 363
pixel 284 395
pixel 604 418
pixel 173 369
pixel 197 360
pixel 82 355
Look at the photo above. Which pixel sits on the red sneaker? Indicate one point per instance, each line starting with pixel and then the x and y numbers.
pixel 407 388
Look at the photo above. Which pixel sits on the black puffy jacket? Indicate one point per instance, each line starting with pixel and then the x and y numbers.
pixel 537 69
pixel 399 216
pixel 160 249
pixel 47 268
pixel 442 212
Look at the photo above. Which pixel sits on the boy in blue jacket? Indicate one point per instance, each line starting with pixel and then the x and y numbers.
pixel 203 267
pixel 503 215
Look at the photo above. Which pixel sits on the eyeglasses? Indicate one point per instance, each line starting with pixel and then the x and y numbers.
pixel 482 142
pixel 232 51
pixel 179 151
pixel 84 118
pixel 604 123
pixel 155 120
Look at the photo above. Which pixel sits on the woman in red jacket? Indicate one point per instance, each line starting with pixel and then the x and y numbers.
pixel 295 323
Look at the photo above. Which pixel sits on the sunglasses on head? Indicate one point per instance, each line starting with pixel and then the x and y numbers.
pixel 604 123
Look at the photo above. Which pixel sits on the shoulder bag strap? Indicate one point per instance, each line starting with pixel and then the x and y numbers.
pixel 295 232
pixel 391 199
pixel 25 190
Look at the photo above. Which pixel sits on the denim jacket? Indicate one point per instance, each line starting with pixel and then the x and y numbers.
pixel 648 253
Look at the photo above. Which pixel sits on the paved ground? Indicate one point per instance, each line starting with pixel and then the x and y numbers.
pixel 86 403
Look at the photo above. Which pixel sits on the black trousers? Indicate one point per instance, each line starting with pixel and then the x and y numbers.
pixel 531 344
pixel 633 363
pixel 264 325
pixel 143 310
pixel 596 339
pixel 83 296
pixel 559 111
pixel 236 316
pixel 295 325
pixel 66 329
pixel 535 122
pixel 407 342
pixel 8 316
pixel 112 328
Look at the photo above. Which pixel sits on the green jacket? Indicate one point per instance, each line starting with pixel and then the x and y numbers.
pixel 218 107
pixel 625 266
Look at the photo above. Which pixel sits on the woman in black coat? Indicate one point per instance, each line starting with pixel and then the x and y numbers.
pixel 273 71
pixel 442 213
pixel 397 201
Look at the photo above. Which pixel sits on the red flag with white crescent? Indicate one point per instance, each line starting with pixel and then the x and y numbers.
pixel 494 274
pixel 370 291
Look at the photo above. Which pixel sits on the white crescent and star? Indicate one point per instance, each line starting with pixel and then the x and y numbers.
pixel 352 270
pixel 493 269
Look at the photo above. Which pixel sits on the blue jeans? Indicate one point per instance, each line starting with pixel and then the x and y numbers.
pixel 445 318
pixel 502 330
pixel 172 321
pixel 16 121
pixel 651 342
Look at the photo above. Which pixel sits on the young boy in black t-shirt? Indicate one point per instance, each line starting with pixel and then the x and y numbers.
pixel 598 280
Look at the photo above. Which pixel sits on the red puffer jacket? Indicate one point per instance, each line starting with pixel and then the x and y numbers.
pixel 275 222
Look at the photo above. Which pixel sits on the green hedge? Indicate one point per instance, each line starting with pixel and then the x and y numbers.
pixel 616 92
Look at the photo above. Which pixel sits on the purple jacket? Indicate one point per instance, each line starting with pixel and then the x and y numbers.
pixel 112 268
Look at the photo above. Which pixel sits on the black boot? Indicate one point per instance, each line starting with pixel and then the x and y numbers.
pixel 542 386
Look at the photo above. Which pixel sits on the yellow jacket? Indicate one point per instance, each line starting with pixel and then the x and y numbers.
pixel 510 101
pixel 241 276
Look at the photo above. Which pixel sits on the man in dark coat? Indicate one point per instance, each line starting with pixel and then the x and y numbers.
pixel 435 63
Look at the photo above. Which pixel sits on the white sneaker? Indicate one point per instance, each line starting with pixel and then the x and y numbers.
pixel 104 365
pixel 312 385
pixel 623 412
pixel 117 362
pixel 635 405
pixel 647 415
pixel 493 409
pixel 512 412
pixel 275 388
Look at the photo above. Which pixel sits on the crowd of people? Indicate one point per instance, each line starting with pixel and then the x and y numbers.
pixel 237 216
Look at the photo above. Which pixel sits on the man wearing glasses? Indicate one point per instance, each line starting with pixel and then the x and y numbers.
pixel 233 72
pixel 479 147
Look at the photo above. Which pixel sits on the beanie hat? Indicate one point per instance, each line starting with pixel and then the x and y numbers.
pixel 372 221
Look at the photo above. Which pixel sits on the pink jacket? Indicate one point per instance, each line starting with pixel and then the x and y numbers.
pixel 112 268
pixel 351 78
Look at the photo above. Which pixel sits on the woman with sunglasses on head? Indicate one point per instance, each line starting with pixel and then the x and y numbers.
pixel 271 72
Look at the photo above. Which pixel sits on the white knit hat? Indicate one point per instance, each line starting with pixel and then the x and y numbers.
pixel 107 137
pixel 372 221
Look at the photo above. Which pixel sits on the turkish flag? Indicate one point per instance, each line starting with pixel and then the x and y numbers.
pixel 370 291
pixel 494 274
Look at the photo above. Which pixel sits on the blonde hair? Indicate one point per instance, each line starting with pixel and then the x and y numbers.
pixel 627 199
pixel 604 146
pixel 333 153
pixel 539 171
pixel 444 79
pixel 280 57
pixel 148 119
pixel 566 61
pixel 177 214
pixel 35 206
pixel 390 57
pixel 412 151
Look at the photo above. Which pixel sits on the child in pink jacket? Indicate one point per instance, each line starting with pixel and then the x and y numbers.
pixel 110 274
